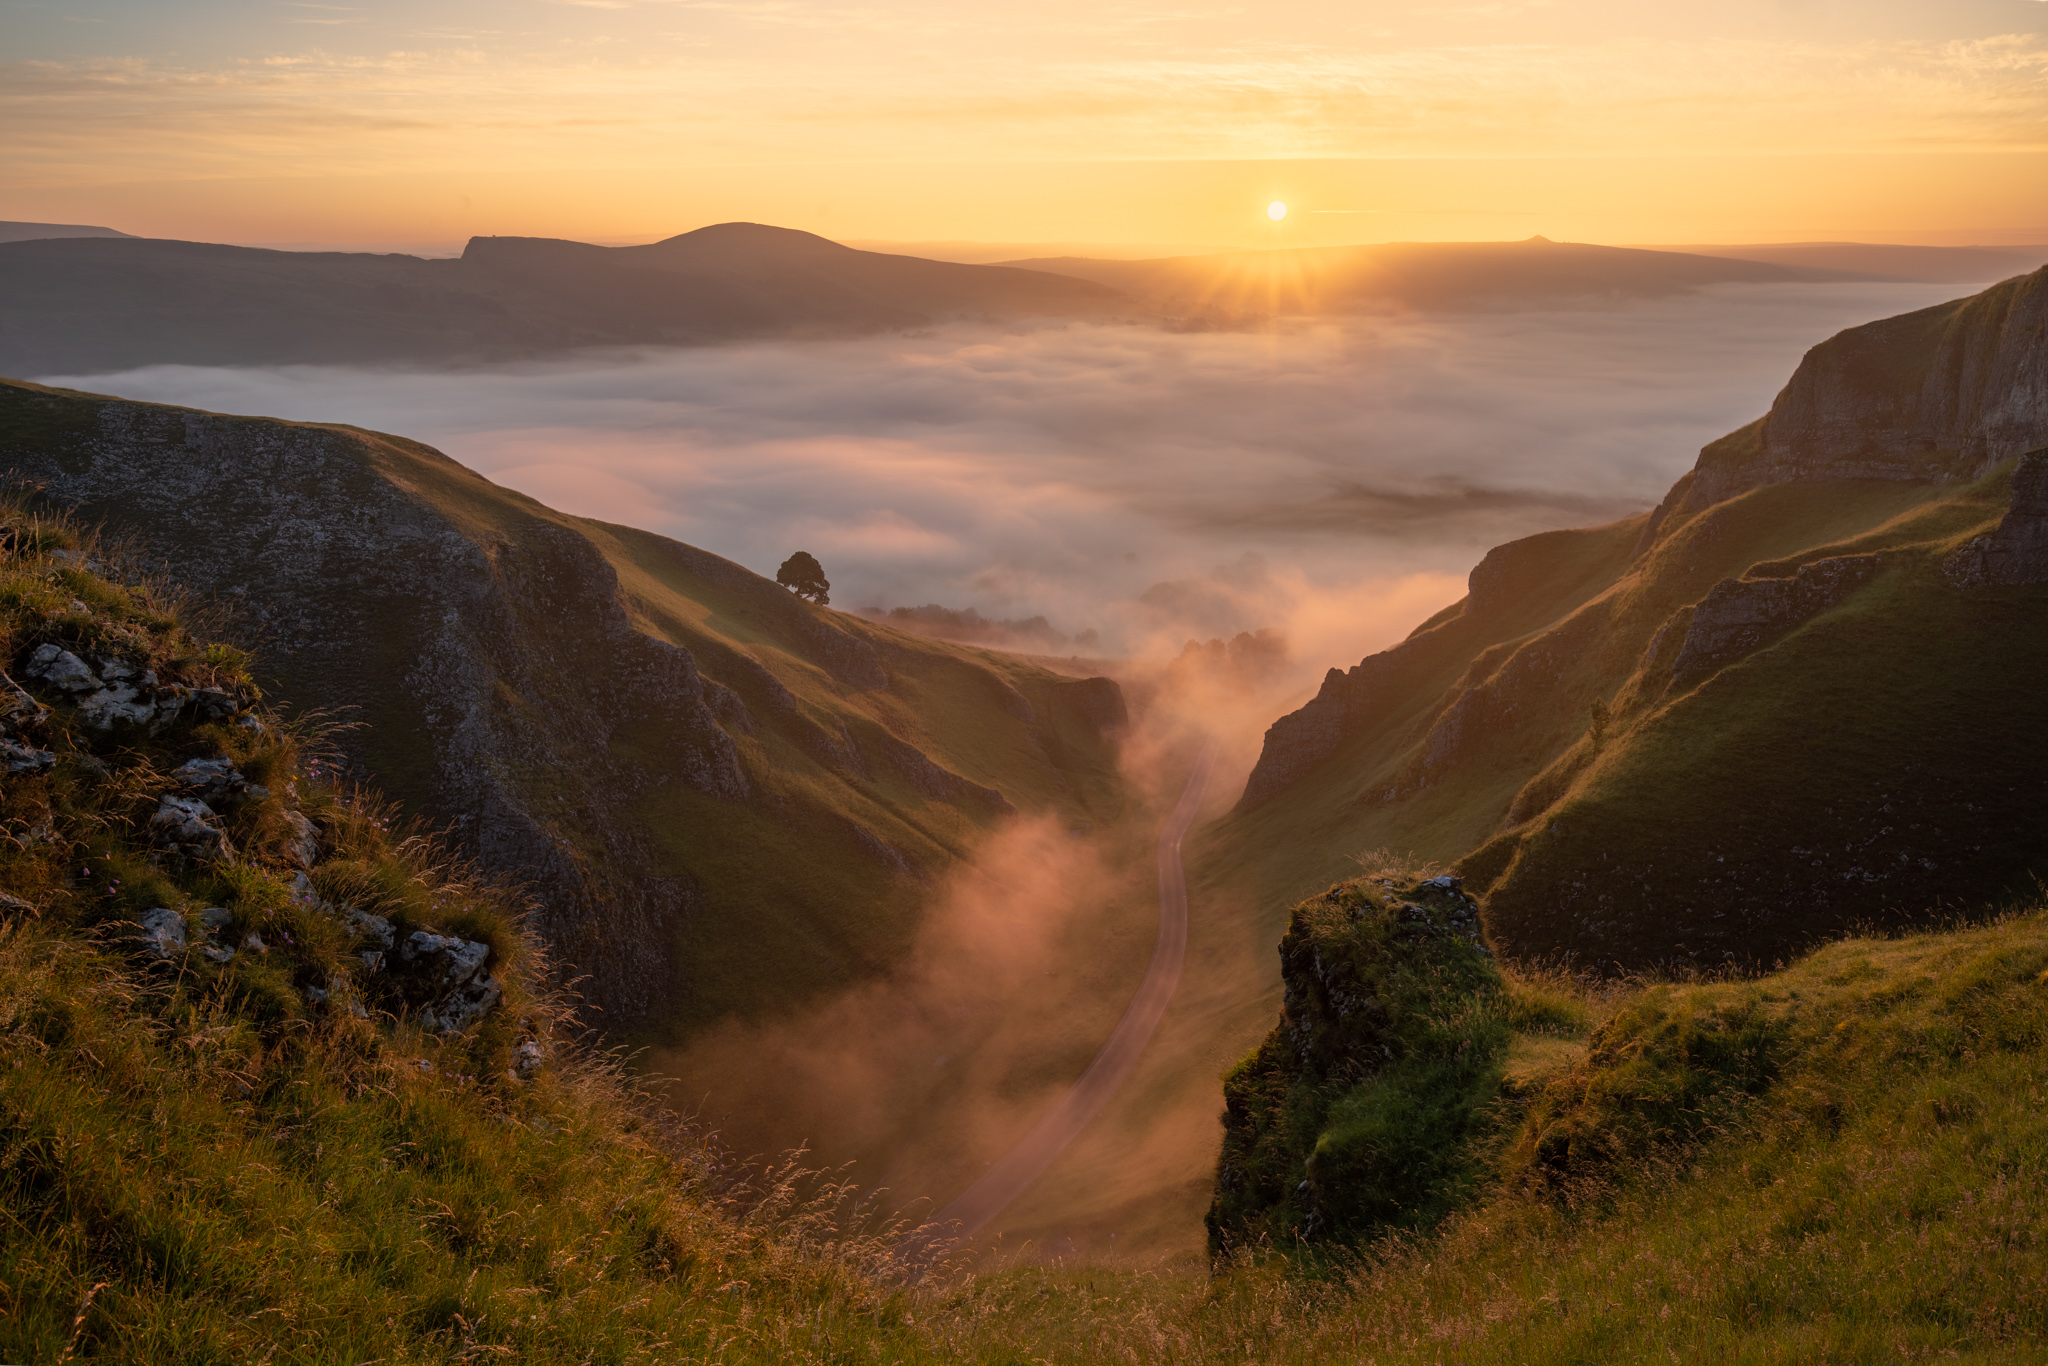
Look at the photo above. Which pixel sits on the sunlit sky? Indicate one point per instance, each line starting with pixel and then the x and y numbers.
pixel 425 121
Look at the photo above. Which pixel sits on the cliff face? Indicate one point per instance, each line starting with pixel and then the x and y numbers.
pixel 651 737
pixel 1798 695
pixel 1941 394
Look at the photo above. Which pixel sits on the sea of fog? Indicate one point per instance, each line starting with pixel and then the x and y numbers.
pixel 1331 478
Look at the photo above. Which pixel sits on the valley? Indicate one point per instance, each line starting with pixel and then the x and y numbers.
pixel 901 910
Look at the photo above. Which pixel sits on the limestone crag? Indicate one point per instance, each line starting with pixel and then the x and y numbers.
pixel 1739 616
pixel 365 590
pixel 2016 553
pixel 1942 394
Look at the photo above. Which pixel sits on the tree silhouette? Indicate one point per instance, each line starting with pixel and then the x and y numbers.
pixel 802 575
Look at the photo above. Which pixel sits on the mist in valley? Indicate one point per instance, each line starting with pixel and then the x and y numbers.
pixel 1214 517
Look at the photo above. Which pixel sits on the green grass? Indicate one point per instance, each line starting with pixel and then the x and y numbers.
pixel 1842 1160
pixel 725 892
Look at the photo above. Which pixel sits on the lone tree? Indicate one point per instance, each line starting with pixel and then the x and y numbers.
pixel 802 575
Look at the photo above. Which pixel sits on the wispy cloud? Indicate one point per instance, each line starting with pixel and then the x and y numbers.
pixel 151 118
pixel 1069 472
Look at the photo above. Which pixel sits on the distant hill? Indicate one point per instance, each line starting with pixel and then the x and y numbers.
pixel 1804 693
pixel 1411 275
pixel 1873 260
pixel 90 304
pixel 29 232
pixel 726 798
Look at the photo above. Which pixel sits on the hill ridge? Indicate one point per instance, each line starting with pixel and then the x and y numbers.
pixel 1525 731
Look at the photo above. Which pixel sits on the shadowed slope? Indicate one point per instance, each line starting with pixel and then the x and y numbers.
pixel 727 798
pixel 1802 694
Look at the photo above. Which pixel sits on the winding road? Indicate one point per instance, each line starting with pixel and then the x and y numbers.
pixel 1011 1174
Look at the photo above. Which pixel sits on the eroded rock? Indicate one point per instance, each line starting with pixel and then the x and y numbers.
pixel 2016 553
pixel 210 780
pixel 161 932
pixel 62 670
pixel 17 756
pixel 304 845
pixel 456 966
pixel 1740 616
pixel 186 825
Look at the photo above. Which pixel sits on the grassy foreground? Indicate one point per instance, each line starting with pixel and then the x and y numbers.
pixel 1879 1200
pixel 1841 1161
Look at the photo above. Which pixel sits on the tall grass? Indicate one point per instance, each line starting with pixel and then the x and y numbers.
pixel 1842 1161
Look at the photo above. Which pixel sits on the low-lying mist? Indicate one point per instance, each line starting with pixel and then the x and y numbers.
pixel 1147 486
pixel 1217 517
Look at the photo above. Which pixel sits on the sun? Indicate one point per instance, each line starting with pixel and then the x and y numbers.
pixel 1276 210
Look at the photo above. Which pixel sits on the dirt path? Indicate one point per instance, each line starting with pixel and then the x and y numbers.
pixel 1012 1173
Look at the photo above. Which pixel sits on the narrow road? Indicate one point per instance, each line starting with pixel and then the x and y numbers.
pixel 1026 1162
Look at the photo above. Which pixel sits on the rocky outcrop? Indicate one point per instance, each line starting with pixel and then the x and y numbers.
pixel 1941 395
pixel 2016 553
pixel 1740 616
pixel 1302 740
pixel 374 602
pixel 1371 968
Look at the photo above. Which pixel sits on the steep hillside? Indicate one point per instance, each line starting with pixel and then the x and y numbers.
pixel 1802 694
pixel 727 798
pixel 1411 274
pixel 89 304
pixel 234 1126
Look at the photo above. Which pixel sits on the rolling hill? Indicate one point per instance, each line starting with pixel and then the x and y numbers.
pixel 29 232
pixel 1888 261
pixel 1425 275
pixel 728 800
pixel 1802 695
pixel 90 304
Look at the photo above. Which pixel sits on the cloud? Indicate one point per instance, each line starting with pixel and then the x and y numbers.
pixel 1299 496
pixel 1070 471
pixel 880 84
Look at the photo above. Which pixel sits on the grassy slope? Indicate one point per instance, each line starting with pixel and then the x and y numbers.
pixel 797 877
pixel 1875 1198
pixel 791 897
pixel 1523 773
pixel 1842 1160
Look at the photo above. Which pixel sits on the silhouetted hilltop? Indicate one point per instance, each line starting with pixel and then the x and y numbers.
pixel 86 304
pixel 1887 261
pixel 1414 275
pixel 29 232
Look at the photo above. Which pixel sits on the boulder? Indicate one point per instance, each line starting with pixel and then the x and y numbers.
pixel 463 1006
pixel 457 966
pixel 17 756
pixel 62 670
pixel 185 824
pixel 211 704
pixel 443 957
pixel 161 932
pixel 304 845
pixel 210 780
pixel 370 929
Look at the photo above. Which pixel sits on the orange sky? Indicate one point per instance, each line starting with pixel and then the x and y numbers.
pixel 1605 120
